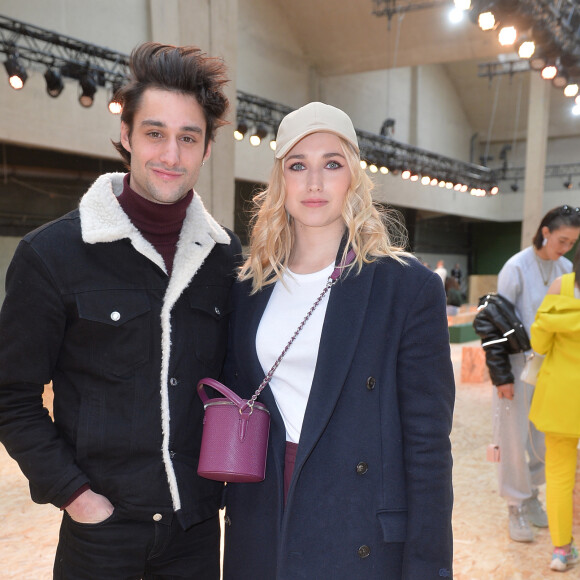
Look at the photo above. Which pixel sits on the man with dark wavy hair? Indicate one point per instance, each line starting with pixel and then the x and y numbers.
pixel 122 304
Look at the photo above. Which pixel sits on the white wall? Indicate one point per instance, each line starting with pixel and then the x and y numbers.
pixel 442 125
pixel 271 63
pixel 371 97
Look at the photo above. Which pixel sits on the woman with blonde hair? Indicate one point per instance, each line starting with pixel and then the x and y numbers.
pixel 358 474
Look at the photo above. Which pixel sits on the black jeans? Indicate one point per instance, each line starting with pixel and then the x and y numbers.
pixel 121 549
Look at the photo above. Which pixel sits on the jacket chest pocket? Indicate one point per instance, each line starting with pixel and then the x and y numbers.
pixel 210 314
pixel 116 328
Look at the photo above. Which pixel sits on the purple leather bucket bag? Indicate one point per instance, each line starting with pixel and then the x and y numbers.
pixel 234 443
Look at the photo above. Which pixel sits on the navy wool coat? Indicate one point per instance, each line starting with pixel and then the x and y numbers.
pixel 371 494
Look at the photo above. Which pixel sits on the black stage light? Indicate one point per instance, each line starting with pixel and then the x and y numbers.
pixel 115 105
pixel 241 130
pixel 260 133
pixel 16 74
pixel 54 84
pixel 88 86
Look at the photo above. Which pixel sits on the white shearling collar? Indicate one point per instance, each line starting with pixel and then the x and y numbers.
pixel 103 220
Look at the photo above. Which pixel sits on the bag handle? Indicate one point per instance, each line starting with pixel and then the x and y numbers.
pixel 238 401
pixel 228 393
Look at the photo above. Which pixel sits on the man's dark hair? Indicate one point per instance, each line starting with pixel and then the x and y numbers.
pixel 182 69
pixel 559 217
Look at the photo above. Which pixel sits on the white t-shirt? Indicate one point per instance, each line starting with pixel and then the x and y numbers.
pixel 287 307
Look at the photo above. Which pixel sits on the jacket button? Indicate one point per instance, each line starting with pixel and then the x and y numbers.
pixel 157 517
pixel 227 521
pixel 217 310
pixel 115 316
pixel 363 551
pixel 362 467
pixel 172 454
pixel 371 383
pixel 173 381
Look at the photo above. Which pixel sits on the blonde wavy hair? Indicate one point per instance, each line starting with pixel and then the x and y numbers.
pixel 372 231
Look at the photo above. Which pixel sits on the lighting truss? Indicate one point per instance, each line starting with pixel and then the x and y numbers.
pixel 519 173
pixel 72 57
pixel 495 68
pixel 389 8
pixel 554 26
pixel 257 111
pixel 378 149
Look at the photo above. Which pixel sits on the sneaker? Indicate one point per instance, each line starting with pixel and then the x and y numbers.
pixel 561 559
pixel 520 530
pixel 536 513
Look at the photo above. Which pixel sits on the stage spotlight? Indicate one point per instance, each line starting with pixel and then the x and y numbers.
pixel 406 174
pixel 526 49
pixel 434 181
pixel 260 133
pixel 560 81
pixel 273 144
pixel 571 90
pixel 507 35
pixel 549 72
pixel 363 164
pixel 115 105
pixel 538 61
pixel 54 84
pixel 494 190
pixel 373 168
pixel 456 15
pixel 425 180
pixel 16 74
pixel 88 86
pixel 241 130
pixel 384 170
pixel 486 21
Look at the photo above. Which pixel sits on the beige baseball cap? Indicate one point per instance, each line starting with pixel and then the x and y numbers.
pixel 313 118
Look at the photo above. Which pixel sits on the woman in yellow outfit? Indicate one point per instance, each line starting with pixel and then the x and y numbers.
pixel 555 406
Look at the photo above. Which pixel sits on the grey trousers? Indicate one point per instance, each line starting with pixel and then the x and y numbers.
pixel 522 447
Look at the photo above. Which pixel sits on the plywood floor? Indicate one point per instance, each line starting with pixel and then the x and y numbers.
pixel 483 550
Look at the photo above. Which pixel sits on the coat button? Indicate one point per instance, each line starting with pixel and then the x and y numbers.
pixel 157 517
pixel 362 467
pixel 371 383
pixel 173 381
pixel 227 521
pixel 217 310
pixel 363 551
pixel 115 316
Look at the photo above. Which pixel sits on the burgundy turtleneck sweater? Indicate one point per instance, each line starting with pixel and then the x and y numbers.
pixel 159 223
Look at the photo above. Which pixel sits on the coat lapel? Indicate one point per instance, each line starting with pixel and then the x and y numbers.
pixel 343 323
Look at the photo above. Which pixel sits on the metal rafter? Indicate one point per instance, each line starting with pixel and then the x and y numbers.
pixel 72 56
pixel 377 149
